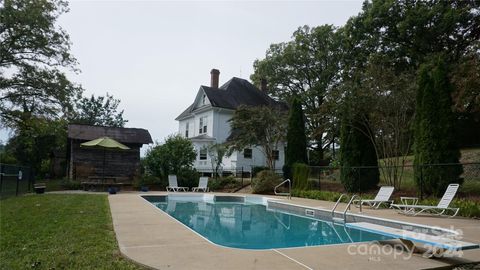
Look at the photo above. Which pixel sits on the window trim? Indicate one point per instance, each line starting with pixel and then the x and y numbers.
pixel 200 154
pixel 203 125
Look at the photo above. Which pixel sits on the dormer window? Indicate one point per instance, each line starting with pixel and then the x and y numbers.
pixel 203 125
pixel 204 99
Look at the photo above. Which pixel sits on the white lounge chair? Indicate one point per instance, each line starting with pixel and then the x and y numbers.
pixel 383 196
pixel 441 208
pixel 173 184
pixel 202 185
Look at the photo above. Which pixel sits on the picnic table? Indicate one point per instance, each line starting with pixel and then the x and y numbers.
pixel 101 182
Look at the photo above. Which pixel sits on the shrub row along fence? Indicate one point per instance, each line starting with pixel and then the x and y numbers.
pixel 15 180
pixel 401 177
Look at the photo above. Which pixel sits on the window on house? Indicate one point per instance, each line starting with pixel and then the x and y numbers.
pixel 247 153
pixel 204 99
pixel 203 154
pixel 276 154
pixel 203 125
pixel 187 127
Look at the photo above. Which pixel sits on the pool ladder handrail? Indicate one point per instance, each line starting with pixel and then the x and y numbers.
pixel 348 206
pixel 344 214
pixel 336 204
pixel 283 193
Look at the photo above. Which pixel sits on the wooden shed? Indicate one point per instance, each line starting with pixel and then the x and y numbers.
pixel 84 164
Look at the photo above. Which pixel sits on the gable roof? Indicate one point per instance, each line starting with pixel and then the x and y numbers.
pixel 234 93
pixel 123 135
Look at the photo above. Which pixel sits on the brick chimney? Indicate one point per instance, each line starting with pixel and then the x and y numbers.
pixel 214 75
pixel 263 85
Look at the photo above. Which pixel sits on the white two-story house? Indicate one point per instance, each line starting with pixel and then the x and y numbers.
pixel 206 122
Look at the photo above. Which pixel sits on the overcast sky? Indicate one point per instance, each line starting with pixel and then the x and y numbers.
pixel 154 55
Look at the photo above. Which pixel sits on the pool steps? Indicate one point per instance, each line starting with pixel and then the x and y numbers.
pixel 436 241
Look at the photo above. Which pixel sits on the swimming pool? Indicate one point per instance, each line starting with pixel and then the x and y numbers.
pixel 238 223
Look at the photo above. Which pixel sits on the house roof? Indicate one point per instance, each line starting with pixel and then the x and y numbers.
pixel 234 93
pixel 123 135
pixel 202 137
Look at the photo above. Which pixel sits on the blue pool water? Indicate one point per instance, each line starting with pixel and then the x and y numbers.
pixel 252 226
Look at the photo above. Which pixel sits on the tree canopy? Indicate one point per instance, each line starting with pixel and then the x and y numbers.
pixel 171 157
pixel 37 100
pixel 307 67
pixel 367 69
pixel 99 111
pixel 34 51
pixel 258 126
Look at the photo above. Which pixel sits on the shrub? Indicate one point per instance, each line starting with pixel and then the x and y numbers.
pixel 265 182
pixel 228 182
pixel 318 195
pixel 257 169
pixel 188 177
pixel 71 185
pixel 301 172
pixel 149 180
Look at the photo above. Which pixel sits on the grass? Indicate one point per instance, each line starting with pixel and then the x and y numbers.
pixel 58 232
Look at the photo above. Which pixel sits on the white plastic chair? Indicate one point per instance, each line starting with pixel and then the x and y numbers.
pixel 383 196
pixel 202 184
pixel 441 208
pixel 173 184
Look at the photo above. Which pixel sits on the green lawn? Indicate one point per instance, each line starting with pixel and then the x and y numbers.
pixel 58 232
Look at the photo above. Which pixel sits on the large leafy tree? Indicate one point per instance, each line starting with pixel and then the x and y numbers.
pixel 35 94
pixel 34 51
pixel 382 49
pixel 258 126
pixel 435 141
pixel 100 111
pixel 410 31
pixel 306 67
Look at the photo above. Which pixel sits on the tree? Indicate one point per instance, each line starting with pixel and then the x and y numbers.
pixel 306 67
pixel 99 111
pixel 296 151
pixel 358 158
pixel 33 144
pixel 33 50
pixel 35 94
pixel 389 102
pixel 434 133
pixel 171 157
pixel 408 32
pixel 216 152
pixel 258 126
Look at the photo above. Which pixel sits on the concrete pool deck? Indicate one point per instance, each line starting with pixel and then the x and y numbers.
pixel 152 238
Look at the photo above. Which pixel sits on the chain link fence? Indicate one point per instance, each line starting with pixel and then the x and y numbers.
pixel 15 180
pixel 401 177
